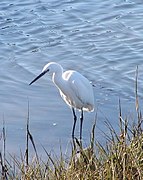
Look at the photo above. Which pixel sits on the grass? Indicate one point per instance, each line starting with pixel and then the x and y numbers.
pixel 120 159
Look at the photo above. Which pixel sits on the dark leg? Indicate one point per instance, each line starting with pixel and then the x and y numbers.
pixel 81 123
pixel 75 119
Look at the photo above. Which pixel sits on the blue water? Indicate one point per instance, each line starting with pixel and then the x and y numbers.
pixel 103 40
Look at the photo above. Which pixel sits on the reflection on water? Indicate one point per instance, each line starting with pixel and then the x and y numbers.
pixel 101 40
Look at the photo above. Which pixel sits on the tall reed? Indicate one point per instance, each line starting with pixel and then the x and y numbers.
pixel 120 159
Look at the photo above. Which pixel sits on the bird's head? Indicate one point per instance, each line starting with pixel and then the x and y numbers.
pixel 49 68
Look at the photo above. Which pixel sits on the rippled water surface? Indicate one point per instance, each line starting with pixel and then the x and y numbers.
pixel 103 40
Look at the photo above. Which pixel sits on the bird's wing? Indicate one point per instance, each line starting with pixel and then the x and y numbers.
pixel 80 86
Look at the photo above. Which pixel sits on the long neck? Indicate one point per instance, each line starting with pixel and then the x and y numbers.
pixel 58 80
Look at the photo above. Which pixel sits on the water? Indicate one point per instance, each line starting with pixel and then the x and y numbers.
pixel 100 39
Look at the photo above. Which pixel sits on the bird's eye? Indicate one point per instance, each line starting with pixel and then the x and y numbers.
pixel 46 70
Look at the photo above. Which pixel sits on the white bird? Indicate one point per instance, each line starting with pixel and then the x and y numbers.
pixel 74 88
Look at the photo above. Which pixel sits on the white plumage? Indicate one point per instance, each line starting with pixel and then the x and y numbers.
pixel 74 88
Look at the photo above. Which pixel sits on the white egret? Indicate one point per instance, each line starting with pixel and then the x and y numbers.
pixel 74 88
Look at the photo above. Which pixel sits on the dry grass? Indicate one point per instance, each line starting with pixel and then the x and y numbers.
pixel 120 159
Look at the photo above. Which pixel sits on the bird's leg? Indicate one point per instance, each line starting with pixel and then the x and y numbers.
pixel 74 123
pixel 81 123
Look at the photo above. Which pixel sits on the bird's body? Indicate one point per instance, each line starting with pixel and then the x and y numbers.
pixel 74 88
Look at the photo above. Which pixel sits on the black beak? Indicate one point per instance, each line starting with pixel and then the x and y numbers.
pixel 40 75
